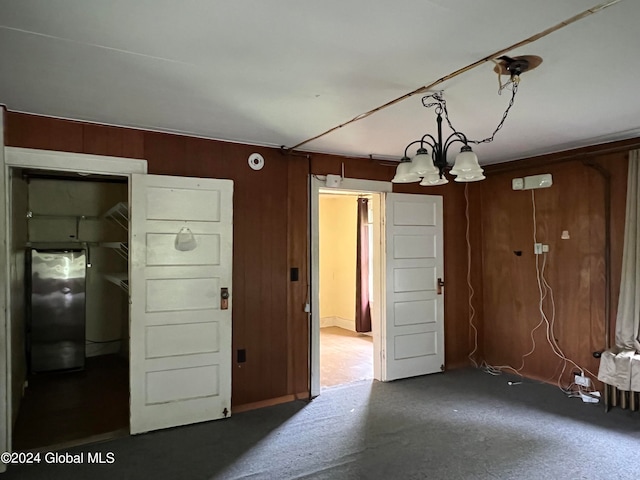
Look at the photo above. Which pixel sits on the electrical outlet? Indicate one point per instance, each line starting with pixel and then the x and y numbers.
pixel 537 248
pixel 583 381
pixel 545 248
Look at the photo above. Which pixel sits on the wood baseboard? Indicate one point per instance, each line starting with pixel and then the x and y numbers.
pixel 270 402
pixel 347 324
pixel 457 365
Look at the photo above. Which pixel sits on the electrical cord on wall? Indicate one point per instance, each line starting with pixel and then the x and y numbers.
pixel 472 310
pixel 542 294
pixel 545 290
pixel 490 369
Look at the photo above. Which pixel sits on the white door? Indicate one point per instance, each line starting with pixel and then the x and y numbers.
pixel 180 354
pixel 413 336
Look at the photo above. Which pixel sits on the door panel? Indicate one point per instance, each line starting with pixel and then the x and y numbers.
pixel 415 345
pixel 413 279
pixel 414 328
pixel 415 312
pixel 161 250
pixel 414 212
pixel 182 384
pixel 169 294
pixel 180 336
pixel 414 246
pixel 183 203
pixel 187 339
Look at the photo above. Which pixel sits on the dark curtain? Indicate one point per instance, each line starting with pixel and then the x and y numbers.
pixel 363 312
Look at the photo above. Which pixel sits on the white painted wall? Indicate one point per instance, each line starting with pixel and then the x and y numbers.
pixel 56 206
pixel 338 237
pixel 18 241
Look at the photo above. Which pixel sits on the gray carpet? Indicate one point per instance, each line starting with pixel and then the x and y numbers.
pixel 458 425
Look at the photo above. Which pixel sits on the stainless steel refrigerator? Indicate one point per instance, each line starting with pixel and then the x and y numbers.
pixel 56 309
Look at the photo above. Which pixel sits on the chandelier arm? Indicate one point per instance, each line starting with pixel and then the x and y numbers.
pixel 433 142
pixel 455 137
pixel 412 143
pixel 500 124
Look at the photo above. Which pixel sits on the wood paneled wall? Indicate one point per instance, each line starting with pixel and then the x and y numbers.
pixel 270 237
pixel 574 268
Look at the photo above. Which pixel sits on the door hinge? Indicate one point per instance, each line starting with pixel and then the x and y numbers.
pixel 442 367
pixel 440 286
pixel 225 412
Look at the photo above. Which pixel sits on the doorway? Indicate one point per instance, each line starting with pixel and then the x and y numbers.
pixel 180 277
pixel 346 343
pixel 14 186
pixel 339 353
pixel 408 318
pixel 70 317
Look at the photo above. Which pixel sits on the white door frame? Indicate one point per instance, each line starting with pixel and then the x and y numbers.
pixel 45 160
pixel 5 354
pixel 347 184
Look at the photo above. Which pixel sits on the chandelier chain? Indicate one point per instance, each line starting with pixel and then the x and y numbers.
pixel 441 106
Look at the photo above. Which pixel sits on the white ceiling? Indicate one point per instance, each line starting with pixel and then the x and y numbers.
pixel 279 72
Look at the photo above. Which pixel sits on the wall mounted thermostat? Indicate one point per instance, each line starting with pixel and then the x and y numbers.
pixel 256 161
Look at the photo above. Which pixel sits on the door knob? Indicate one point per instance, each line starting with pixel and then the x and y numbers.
pixel 224 298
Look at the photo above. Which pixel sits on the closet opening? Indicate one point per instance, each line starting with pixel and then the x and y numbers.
pixel 69 308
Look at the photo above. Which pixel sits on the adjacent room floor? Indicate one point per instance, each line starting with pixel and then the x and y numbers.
pixel 345 356
pixel 71 408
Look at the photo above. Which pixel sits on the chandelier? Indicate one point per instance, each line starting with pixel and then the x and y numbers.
pixel 429 164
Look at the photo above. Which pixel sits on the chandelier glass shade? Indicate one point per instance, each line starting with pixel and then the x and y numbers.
pixel 429 164
pixel 433 180
pixel 422 163
pixel 404 173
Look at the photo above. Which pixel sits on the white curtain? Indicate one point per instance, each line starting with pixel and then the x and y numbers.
pixel 628 319
pixel 620 366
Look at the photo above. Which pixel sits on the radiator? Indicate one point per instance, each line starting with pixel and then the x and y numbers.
pixel 621 399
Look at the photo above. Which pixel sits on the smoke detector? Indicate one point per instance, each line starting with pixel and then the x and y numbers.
pixel 256 161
